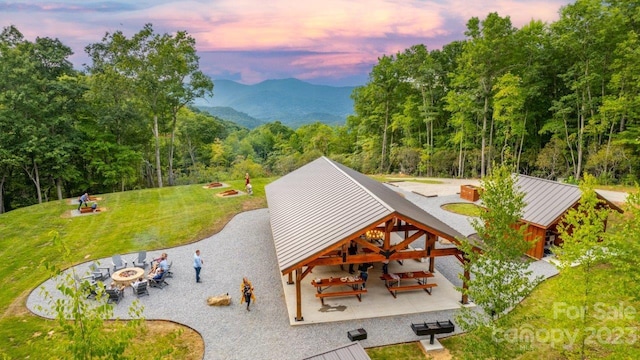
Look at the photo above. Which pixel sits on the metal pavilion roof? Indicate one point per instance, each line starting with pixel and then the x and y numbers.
pixel 323 203
pixel 546 200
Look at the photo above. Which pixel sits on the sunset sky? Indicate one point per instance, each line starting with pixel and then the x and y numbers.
pixel 333 42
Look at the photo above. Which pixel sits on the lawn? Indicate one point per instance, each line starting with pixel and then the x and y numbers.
pixel 149 220
pixel 465 209
pixel 543 323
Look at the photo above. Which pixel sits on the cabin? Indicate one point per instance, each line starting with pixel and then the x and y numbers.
pixel 546 203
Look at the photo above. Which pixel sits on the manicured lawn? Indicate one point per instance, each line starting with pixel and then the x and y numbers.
pixel 465 209
pixel 134 220
pixel 410 351
pixel 547 316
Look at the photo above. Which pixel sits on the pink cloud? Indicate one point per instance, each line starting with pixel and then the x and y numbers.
pixel 336 36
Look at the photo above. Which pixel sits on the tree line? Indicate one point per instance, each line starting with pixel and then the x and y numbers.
pixel 551 100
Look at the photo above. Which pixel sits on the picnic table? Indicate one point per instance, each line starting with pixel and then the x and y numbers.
pixel 352 283
pixel 393 281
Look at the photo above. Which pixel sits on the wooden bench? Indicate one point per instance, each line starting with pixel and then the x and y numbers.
pixel 84 210
pixel 358 293
pixel 229 192
pixel 426 287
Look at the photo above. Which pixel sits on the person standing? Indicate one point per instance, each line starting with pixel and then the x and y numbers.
pixel 364 273
pixel 352 250
pixel 247 184
pixel 197 264
pixel 247 292
pixel 83 200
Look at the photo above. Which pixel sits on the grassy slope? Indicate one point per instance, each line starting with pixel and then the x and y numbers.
pixel 134 220
pixel 614 335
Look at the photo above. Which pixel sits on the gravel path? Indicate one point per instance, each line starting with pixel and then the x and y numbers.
pixel 245 248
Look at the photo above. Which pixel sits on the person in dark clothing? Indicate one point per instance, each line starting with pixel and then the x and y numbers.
pixel 352 250
pixel 364 273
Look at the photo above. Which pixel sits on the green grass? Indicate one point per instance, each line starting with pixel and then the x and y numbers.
pixel 149 220
pixel 408 351
pixel 463 209
pixel 536 312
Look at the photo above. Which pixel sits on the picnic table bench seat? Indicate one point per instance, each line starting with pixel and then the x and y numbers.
pixel 358 293
pixel 426 287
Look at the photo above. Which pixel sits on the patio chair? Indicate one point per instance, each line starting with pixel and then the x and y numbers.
pixel 169 272
pixel 159 283
pixel 88 285
pixel 141 289
pixel 117 262
pixel 98 273
pixel 115 295
pixel 141 260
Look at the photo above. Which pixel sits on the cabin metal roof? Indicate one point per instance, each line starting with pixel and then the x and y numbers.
pixel 353 351
pixel 547 200
pixel 323 203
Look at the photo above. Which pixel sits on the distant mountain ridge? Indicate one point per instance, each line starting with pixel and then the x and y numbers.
pixel 291 101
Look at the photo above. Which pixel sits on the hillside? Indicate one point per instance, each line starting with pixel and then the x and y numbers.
pixel 291 101
pixel 230 114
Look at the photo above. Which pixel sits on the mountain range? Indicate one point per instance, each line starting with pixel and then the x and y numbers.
pixel 291 101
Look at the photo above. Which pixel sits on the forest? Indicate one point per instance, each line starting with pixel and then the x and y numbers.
pixel 551 100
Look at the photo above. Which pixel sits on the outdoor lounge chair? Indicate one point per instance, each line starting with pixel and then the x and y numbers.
pixel 169 272
pixel 115 295
pixel 117 262
pixel 141 289
pixel 159 283
pixel 141 260
pixel 88 285
pixel 98 273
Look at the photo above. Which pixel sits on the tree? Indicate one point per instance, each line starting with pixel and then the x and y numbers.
pixel 37 106
pixel 485 58
pixel 501 278
pixel 509 115
pixel 582 232
pixel 584 39
pixel 162 70
pixel 82 331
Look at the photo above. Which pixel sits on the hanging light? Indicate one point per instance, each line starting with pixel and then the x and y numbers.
pixel 374 234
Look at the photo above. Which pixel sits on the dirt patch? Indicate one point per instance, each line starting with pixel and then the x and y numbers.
pixel 187 336
pixel 17 307
pixel 440 355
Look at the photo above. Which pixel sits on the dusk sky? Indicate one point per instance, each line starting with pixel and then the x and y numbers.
pixel 332 42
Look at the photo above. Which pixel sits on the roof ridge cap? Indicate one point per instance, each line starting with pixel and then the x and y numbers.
pixel 548 180
pixel 382 202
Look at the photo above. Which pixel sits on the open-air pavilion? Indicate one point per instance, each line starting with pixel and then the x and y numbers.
pixel 318 209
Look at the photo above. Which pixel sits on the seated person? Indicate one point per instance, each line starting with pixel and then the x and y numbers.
pixel 157 275
pixel 138 282
pixel 116 286
pixel 161 262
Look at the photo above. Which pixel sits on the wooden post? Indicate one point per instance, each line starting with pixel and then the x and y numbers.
pixel 299 295
pixel 465 282
pixel 290 281
pixel 387 235
pixel 430 243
